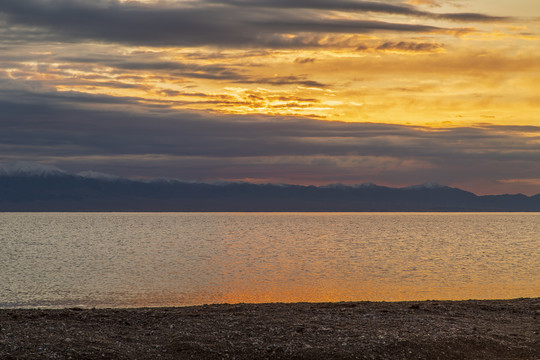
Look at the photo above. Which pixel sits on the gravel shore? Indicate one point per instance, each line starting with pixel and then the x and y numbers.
pixel 487 329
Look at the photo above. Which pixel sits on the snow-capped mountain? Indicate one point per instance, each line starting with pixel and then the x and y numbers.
pixel 89 174
pixel 25 168
pixel 31 169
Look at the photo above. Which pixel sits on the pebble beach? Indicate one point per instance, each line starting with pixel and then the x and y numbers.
pixel 472 329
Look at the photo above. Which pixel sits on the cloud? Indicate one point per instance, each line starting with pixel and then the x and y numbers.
pixel 283 80
pixel 177 68
pixel 470 17
pixel 304 60
pixel 203 146
pixel 216 23
pixel 535 182
pixel 363 6
pixel 424 2
pixel 227 72
pixel 407 46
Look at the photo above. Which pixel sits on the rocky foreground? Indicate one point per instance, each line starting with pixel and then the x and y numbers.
pixel 495 329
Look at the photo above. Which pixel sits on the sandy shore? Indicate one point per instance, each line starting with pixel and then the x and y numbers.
pixel 496 329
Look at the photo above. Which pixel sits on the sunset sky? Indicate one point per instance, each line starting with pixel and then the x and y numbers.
pixel 316 92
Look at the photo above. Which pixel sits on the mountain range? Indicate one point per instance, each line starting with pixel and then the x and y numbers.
pixel 36 187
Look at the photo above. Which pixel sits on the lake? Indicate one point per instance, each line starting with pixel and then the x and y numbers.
pixel 174 259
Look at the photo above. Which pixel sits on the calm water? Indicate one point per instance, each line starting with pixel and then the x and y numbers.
pixel 158 259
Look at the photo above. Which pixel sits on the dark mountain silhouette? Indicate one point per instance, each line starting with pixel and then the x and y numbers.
pixel 31 187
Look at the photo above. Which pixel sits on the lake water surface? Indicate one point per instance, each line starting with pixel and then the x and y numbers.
pixel 172 259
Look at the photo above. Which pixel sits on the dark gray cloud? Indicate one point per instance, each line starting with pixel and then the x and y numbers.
pixel 360 6
pixel 304 60
pixel 408 46
pixel 197 71
pixel 214 72
pixel 219 23
pixel 283 80
pixel 470 17
pixel 133 139
pixel 336 5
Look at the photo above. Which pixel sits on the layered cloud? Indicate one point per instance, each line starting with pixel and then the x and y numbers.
pixel 311 92
pixel 195 146
pixel 218 23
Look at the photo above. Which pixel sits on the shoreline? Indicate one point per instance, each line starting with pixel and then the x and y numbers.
pixel 466 329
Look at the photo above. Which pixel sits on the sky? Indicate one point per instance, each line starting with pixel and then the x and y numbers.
pixel 305 92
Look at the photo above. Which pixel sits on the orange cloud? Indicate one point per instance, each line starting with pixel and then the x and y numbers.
pixel 432 3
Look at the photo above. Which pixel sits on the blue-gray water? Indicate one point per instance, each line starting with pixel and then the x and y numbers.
pixel 164 259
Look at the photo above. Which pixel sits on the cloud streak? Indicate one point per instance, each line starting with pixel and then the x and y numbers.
pixel 223 23
pixel 361 6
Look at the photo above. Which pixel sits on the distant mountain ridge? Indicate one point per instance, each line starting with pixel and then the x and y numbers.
pixel 35 187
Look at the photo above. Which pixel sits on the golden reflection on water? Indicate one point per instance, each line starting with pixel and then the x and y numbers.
pixel 247 293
